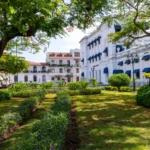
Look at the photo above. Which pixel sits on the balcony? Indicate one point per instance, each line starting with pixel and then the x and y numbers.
pixel 60 65
pixel 31 71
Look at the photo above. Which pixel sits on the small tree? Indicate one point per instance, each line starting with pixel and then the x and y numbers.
pixel 93 81
pixel 119 80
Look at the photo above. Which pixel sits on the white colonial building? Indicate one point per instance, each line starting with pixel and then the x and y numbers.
pixel 101 59
pixel 58 66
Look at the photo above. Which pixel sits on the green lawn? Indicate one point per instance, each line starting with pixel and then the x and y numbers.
pixel 112 121
pixel 43 108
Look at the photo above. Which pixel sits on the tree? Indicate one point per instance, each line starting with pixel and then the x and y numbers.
pixel 147 75
pixel 12 64
pixel 134 19
pixel 93 81
pixel 28 22
pixel 119 80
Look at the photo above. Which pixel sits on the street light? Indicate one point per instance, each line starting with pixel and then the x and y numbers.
pixel 132 57
pixel 92 69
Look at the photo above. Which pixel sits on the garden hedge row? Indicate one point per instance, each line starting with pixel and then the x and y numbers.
pixel 9 120
pixel 122 89
pixel 49 133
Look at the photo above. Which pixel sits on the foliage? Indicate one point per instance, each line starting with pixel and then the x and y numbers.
pixel 9 120
pixel 26 23
pixel 46 85
pixel 18 87
pixel 147 75
pixel 26 108
pixel 73 92
pixel 27 93
pixel 93 81
pixel 83 84
pixel 61 84
pixel 122 89
pixel 5 95
pixel 49 133
pixel 12 64
pixel 136 21
pixel 33 85
pixel 110 88
pixel 74 85
pixel 119 80
pixel 90 91
pixel 143 96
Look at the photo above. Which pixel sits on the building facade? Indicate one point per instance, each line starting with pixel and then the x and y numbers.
pixel 101 59
pixel 58 66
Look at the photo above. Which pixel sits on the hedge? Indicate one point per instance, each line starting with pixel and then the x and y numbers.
pixel 5 95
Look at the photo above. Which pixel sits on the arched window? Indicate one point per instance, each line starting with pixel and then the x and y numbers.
pixel 77 78
pixel 16 78
pixel 44 78
pixel 35 78
pixel 34 69
pixel 77 70
pixel 25 78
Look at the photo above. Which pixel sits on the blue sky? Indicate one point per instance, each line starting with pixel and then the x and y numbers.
pixel 63 44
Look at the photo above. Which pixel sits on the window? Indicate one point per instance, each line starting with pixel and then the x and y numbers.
pixel 95 58
pixel 106 53
pixel 34 69
pixel 52 61
pixel 137 75
pixel 95 43
pixel 44 78
pixel 77 79
pixel 60 70
pixel 35 78
pixel 77 70
pixel 77 54
pixel 25 78
pixel 99 57
pixel 60 62
pixel 53 78
pixel 68 70
pixel 52 70
pixel 43 69
pixel 16 78
pixel 68 62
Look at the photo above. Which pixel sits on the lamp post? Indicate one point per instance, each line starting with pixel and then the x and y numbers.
pixel 132 57
pixel 92 69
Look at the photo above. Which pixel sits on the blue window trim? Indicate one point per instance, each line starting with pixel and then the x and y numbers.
pixel 146 70
pixel 105 70
pixel 117 71
pixel 136 70
pixel 105 50
pixel 120 63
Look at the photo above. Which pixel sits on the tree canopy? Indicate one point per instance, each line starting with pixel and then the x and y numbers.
pixel 134 17
pixel 12 64
pixel 31 22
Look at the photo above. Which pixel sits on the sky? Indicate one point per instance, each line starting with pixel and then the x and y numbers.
pixel 64 44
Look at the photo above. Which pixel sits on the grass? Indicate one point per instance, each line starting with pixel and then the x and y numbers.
pixel 43 108
pixel 112 121
pixel 8 105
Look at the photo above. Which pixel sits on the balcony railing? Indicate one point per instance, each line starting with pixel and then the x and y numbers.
pixel 31 71
pixel 63 65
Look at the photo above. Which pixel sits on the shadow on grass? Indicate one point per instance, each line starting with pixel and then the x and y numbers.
pixel 112 122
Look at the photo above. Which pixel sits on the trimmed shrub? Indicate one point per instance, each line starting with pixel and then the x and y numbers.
pixel 61 84
pixel 5 95
pixel 73 92
pixel 74 85
pixel 17 87
pixel 146 99
pixel 46 85
pixel 47 134
pixel 83 84
pixel 90 91
pixel 93 81
pixel 125 89
pixel 26 94
pixel 26 108
pixel 119 80
pixel 142 94
pixel 32 85
pixel 8 121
